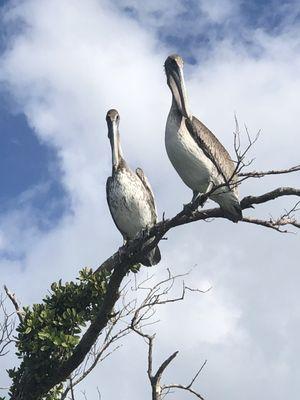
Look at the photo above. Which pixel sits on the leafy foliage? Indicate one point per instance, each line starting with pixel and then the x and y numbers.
pixel 50 330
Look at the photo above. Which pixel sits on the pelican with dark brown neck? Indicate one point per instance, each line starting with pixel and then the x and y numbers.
pixel 196 154
pixel 129 194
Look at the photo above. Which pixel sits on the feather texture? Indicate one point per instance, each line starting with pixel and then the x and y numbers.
pixel 199 158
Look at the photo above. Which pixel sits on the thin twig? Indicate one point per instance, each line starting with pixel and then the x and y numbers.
pixel 15 303
pixel 261 174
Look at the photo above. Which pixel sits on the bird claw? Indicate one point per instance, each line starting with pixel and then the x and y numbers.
pixel 143 233
pixel 188 208
pixel 123 249
pixel 122 252
pixel 201 203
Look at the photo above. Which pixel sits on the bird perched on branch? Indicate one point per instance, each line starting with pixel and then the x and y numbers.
pixel 129 194
pixel 197 155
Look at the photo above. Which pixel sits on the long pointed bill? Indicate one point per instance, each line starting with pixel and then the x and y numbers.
pixel 179 80
pixel 114 142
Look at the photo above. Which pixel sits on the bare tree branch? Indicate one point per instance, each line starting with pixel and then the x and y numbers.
pixel 240 154
pixel 288 218
pixel 267 224
pixel 261 174
pixel 164 365
pixel 7 327
pixel 184 217
pixel 158 294
pixel 72 388
pixel 249 201
pixel 188 387
pixel 15 303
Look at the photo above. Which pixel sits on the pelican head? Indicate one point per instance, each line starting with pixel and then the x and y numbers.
pixel 175 80
pixel 112 120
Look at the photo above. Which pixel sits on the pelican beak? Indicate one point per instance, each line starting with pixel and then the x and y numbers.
pixel 177 75
pixel 113 135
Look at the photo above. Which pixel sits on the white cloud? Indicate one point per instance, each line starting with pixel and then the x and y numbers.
pixel 151 14
pixel 218 11
pixel 74 61
pixel 3 242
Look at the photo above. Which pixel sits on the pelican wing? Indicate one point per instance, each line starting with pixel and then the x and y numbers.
pixel 211 147
pixel 145 182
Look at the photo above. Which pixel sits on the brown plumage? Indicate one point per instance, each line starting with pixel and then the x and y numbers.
pixel 212 148
pixel 196 154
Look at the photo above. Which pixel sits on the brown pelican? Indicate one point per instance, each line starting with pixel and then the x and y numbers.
pixel 198 157
pixel 129 195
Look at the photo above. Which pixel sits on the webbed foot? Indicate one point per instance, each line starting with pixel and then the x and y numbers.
pixel 143 233
pixel 202 203
pixel 122 249
pixel 188 208
pixel 121 253
pixel 204 200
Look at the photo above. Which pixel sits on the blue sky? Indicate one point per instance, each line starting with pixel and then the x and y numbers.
pixel 58 78
pixel 26 162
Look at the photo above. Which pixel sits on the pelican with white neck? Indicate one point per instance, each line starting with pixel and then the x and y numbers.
pixel 196 154
pixel 129 194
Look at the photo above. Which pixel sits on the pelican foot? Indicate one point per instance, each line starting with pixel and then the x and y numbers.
pixel 209 188
pixel 202 203
pixel 122 251
pixel 197 196
pixel 188 208
pixel 143 233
